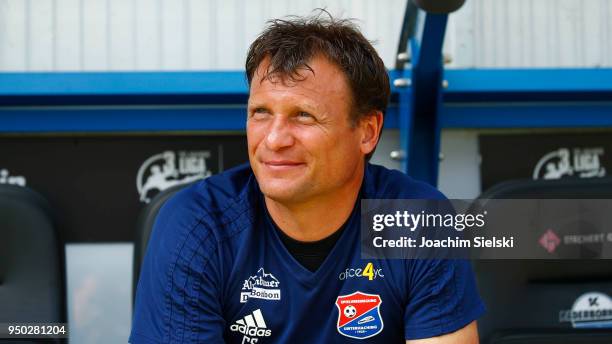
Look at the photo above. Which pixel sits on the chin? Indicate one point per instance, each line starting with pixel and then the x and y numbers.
pixel 281 192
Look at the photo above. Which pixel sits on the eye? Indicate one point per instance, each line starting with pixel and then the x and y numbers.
pixel 259 113
pixel 305 117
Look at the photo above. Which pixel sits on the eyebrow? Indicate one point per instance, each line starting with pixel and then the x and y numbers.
pixel 304 105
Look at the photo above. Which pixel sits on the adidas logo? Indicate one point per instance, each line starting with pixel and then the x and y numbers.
pixel 252 325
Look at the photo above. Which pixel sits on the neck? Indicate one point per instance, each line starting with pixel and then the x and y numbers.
pixel 317 218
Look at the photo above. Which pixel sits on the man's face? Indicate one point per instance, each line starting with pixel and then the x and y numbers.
pixel 300 139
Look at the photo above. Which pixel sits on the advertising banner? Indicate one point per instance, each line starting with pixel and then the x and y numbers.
pixel 97 185
pixel 541 156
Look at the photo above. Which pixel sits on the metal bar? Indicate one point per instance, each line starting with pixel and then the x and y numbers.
pixel 528 80
pixel 527 115
pixel 407 33
pixel 122 83
pixel 468 82
pixel 422 138
pixel 405 122
pixel 66 120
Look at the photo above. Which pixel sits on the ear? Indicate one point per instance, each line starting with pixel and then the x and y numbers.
pixel 370 126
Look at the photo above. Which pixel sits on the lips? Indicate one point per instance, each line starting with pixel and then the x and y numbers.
pixel 280 165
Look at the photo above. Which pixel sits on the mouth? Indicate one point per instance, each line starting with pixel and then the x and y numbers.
pixel 282 165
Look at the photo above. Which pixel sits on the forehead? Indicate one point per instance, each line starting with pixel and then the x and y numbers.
pixel 324 81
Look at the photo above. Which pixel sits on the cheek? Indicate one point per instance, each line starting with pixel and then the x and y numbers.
pixel 315 141
pixel 331 148
pixel 255 133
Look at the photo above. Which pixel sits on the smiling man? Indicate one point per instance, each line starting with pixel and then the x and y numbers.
pixel 269 252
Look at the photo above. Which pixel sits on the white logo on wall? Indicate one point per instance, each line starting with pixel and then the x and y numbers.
pixel 252 325
pixel 6 178
pixel 260 286
pixel 580 162
pixel 590 310
pixel 160 171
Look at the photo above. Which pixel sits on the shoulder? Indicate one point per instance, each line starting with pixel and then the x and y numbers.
pixel 210 206
pixel 184 257
pixel 217 191
pixel 382 182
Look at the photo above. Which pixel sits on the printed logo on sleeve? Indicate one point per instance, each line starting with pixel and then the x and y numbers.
pixel 359 315
pixel 260 286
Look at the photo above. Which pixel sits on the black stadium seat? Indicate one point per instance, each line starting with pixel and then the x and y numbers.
pixel 146 220
pixel 31 268
pixel 525 298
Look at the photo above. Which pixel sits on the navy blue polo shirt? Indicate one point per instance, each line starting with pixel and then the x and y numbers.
pixel 216 271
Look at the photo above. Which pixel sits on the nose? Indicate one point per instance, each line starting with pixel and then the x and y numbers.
pixel 280 135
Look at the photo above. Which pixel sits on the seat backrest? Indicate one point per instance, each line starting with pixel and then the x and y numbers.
pixel 146 220
pixel 31 259
pixel 525 298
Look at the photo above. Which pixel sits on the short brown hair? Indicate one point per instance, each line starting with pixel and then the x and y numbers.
pixel 291 43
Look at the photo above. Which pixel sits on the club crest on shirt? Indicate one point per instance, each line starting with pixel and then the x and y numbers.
pixel 359 315
pixel 262 285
